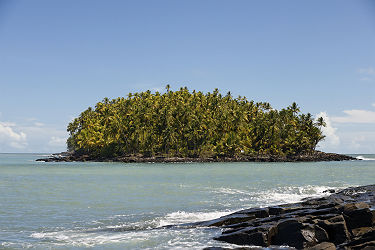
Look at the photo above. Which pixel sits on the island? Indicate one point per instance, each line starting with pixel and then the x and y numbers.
pixel 190 126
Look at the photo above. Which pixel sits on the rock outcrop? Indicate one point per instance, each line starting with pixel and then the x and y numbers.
pixel 312 156
pixel 343 220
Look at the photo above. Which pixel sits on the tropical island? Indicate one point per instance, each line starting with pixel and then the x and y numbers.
pixel 179 126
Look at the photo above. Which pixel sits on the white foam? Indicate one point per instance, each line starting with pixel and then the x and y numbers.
pixel 181 217
pixel 361 157
pixel 79 238
pixel 142 234
pixel 290 194
pixel 133 234
pixel 230 191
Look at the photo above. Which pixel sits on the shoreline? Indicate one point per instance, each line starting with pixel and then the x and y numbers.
pixel 343 220
pixel 310 157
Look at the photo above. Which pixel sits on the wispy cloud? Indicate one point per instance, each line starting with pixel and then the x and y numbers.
pixel 38 124
pixel 45 138
pixel 31 136
pixel 56 141
pixel 373 104
pixel 367 74
pixel 358 142
pixel 332 140
pixel 367 71
pixel 10 137
pixel 356 116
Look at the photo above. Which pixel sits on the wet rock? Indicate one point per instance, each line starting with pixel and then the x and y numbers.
pixel 241 238
pixel 343 220
pixel 293 233
pixel 229 220
pixel 331 191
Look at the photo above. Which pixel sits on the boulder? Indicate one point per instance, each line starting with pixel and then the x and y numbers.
pixel 241 238
pixel 293 233
pixel 358 215
pixel 336 229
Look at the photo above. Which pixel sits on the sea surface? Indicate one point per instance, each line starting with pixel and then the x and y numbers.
pixel 125 205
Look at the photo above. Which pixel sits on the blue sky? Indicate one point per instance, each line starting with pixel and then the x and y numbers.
pixel 59 57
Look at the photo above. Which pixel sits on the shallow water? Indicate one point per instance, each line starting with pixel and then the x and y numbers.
pixel 118 205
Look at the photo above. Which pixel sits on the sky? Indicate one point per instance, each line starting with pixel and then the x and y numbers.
pixel 57 58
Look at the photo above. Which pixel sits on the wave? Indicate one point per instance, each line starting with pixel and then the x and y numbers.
pixel 274 196
pixel 361 157
pixel 291 194
pixel 181 217
pixel 148 231
pixel 139 231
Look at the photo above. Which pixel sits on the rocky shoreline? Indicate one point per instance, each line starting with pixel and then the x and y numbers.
pixel 343 220
pixel 311 157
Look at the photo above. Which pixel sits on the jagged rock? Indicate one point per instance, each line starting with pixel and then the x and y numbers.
pixel 358 215
pixel 323 246
pixel 321 235
pixel 357 232
pixel 241 238
pixel 331 191
pixel 233 219
pixel 336 229
pixel 343 220
pixel 360 242
pixel 293 233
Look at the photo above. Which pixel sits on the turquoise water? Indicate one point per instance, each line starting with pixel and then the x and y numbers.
pixel 117 205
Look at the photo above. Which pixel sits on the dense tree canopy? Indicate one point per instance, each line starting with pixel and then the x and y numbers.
pixel 191 124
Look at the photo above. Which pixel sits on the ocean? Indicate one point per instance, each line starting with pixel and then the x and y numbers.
pixel 79 205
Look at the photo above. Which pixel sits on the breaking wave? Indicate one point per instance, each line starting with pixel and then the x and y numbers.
pixel 361 157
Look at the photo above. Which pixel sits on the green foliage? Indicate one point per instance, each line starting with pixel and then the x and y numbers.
pixel 191 124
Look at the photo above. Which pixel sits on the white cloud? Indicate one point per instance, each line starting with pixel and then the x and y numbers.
pixel 356 116
pixel 373 104
pixel 367 74
pixel 9 137
pixel 56 141
pixel 38 124
pixel 332 140
pixel 358 142
pixel 46 138
pixel 32 136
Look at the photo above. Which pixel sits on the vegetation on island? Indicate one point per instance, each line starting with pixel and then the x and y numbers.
pixel 192 124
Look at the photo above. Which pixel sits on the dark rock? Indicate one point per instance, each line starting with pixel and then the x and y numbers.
pixel 357 232
pixel 257 212
pixel 345 220
pixel 336 229
pixel 229 220
pixel 307 157
pixel 358 215
pixel 276 210
pixel 241 238
pixel 321 235
pixel 331 191
pixel 323 246
pixel 361 241
pixel 293 233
